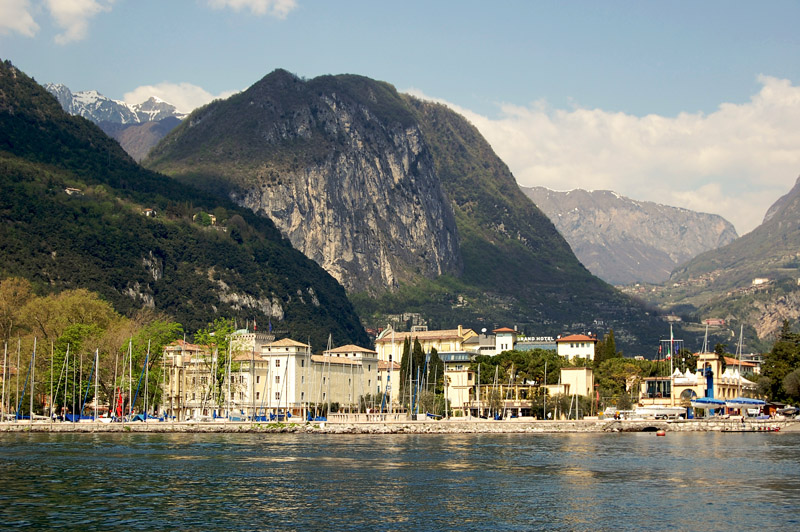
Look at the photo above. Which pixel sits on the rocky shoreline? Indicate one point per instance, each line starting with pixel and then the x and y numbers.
pixel 416 427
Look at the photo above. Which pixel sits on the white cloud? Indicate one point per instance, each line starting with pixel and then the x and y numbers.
pixel 184 96
pixel 73 17
pixel 735 161
pixel 274 8
pixel 15 17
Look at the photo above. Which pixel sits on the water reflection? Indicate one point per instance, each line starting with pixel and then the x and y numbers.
pixel 399 482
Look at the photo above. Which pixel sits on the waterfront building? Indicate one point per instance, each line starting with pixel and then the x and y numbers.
pixel 707 380
pixel 271 381
pixel 459 381
pixel 389 344
pixel 505 339
pixel 576 345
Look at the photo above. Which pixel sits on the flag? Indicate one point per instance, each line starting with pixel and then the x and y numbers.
pixel 270 324
pixel 255 325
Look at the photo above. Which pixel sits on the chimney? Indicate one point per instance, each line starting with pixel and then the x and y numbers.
pixel 460 332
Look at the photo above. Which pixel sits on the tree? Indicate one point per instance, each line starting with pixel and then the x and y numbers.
pixel 791 384
pixel 435 372
pixel 14 294
pixel 405 362
pixel 216 337
pixel 606 349
pixel 782 360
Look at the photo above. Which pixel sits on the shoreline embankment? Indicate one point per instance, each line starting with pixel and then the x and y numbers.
pixel 455 426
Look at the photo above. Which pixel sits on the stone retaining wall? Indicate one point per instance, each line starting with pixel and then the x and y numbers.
pixel 418 427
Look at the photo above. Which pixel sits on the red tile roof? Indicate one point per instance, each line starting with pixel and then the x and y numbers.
pixel 576 338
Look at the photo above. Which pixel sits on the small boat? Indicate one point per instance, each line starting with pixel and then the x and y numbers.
pixel 660 412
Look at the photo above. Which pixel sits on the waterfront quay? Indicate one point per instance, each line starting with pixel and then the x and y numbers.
pixel 400 424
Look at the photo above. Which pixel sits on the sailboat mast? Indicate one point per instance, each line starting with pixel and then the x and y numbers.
pixel 50 400
pixel 130 377
pixel 33 374
pixel 66 376
pixel 96 379
pixel 5 373
pixel 739 353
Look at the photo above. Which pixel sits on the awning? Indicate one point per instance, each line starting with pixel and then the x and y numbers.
pixel 744 402
pixel 707 402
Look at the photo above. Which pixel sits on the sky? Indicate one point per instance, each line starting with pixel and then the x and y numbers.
pixel 685 103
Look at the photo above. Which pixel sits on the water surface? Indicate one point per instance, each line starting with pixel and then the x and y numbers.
pixel 692 481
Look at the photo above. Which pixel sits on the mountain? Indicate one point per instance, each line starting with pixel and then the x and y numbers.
pixel 402 201
pixel 136 127
pixel 77 212
pixel 624 241
pixel 98 108
pixel 754 280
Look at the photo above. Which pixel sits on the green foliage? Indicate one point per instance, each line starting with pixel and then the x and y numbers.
pixel 217 336
pixel 519 366
pixel 780 364
pixel 436 372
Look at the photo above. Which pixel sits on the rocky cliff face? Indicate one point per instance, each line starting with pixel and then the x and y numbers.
pixel 624 241
pixel 367 207
pixel 399 199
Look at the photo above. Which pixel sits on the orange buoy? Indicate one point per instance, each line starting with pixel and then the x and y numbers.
pixel 661 432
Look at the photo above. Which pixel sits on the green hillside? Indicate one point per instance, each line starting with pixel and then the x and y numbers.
pixel 100 239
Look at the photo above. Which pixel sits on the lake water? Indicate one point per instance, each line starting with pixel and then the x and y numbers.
pixel 691 481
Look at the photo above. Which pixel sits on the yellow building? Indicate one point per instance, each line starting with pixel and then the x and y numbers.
pixel 389 343
pixel 707 380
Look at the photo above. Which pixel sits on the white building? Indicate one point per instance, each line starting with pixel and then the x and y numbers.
pixel 266 383
pixel 576 345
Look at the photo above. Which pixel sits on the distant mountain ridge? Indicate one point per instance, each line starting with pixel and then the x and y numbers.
pixel 754 280
pixel 625 241
pixel 136 127
pixel 98 108
pixel 403 201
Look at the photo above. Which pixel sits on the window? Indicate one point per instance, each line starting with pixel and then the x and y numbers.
pixel 369 383
pixel 302 379
pixel 323 396
pixel 277 363
pixel 194 380
pixel 258 395
pixel 277 396
pixel 302 362
pixel 369 367
pixel 469 376
pixel 323 380
pixel 258 379
pixel 379 378
pixel 302 396
pixel 277 379
pixel 193 396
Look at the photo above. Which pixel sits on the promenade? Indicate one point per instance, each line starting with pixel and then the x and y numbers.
pixel 363 425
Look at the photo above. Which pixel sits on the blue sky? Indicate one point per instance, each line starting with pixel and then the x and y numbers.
pixel 692 104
